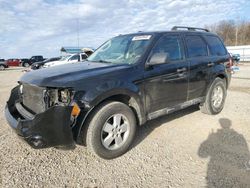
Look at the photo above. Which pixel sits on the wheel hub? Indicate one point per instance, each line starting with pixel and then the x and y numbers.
pixel 115 131
pixel 217 96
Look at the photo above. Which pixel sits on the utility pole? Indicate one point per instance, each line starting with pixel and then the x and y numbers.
pixel 236 35
pixel 77 25
pixel 237 30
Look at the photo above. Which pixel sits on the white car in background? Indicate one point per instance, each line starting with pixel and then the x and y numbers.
pixel 73 58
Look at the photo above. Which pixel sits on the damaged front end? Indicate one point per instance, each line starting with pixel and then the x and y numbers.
pixel 43 117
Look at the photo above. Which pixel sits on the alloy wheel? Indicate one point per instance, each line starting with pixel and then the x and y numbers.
pixel 217 96
pixel 115 132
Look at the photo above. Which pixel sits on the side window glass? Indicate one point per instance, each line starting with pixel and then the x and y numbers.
pixel 196 47
pixel 75 57
pixel 84 56
pixel 170 45
pixel 216 47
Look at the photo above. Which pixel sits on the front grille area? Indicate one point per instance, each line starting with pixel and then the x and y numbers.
pixel 33 98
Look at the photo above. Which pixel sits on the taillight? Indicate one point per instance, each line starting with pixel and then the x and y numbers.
pixel 230 62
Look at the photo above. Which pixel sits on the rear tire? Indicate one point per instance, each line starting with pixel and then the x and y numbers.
pixel 111 130
pixel 215 98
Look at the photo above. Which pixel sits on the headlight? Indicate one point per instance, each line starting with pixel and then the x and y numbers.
pixel 59 97
pixel 64 96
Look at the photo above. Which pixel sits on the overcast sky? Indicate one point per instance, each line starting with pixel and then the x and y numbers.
pixel 34 27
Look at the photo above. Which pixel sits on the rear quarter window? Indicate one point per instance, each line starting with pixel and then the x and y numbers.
pixel 196 46
pixel 216 47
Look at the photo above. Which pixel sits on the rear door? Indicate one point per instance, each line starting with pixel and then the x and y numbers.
pixel 166 84
pixel 217 51
pixel 200 65
pixel 10 62
pixel 16 62
pixel 13 62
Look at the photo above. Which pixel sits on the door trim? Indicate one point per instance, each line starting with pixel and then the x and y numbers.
pixel 168 110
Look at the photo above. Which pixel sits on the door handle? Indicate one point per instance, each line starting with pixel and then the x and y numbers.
pixel 181 70
pixel 210 64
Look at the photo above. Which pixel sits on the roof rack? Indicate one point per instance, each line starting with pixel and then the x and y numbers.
pixel 189 28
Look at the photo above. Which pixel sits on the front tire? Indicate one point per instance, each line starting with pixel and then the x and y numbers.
pixel 111 129
pixel 215 98
pixel 2 67
pixel 26 64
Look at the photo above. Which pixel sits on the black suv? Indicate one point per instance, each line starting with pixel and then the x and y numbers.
pixel 33 59
pixel 127 81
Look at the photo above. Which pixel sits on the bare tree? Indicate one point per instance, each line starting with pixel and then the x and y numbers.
pixel 232 32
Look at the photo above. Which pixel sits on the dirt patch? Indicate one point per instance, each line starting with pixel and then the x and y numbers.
pixel 184 149
pixel 240 89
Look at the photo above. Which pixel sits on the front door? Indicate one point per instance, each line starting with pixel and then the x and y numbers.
pixel 166 85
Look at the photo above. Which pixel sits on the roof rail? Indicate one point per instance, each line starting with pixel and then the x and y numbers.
pixel 189 28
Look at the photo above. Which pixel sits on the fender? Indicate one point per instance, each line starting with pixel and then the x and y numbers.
pixel 220 71
pixel 135 99
pixel 101 91
pixel 132 92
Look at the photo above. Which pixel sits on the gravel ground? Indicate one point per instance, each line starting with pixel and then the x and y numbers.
pixel 184 149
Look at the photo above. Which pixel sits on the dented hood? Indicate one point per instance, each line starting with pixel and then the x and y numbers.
pixel 69 75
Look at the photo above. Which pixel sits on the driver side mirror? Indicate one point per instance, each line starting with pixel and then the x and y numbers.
pixel 158 58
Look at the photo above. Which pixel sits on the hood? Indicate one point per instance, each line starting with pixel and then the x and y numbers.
pixel 68 75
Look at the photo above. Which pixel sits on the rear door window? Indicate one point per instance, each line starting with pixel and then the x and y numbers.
pixel 196 46
pixel 216 47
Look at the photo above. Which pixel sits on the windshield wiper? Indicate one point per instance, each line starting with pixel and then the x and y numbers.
pixel 103 61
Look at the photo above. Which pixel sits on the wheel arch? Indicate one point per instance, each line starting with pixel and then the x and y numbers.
pixel 206 107
pixel 127 97
pixel 219 75
pixel 223 77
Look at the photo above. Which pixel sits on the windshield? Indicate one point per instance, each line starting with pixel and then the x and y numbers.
pixel 122 49
pixel 64 58
pixel 47 60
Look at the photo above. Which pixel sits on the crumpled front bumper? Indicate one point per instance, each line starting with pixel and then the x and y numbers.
pixel 47 129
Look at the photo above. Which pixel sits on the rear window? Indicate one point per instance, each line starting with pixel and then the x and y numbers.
pixel 196 47
pixel 215 45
